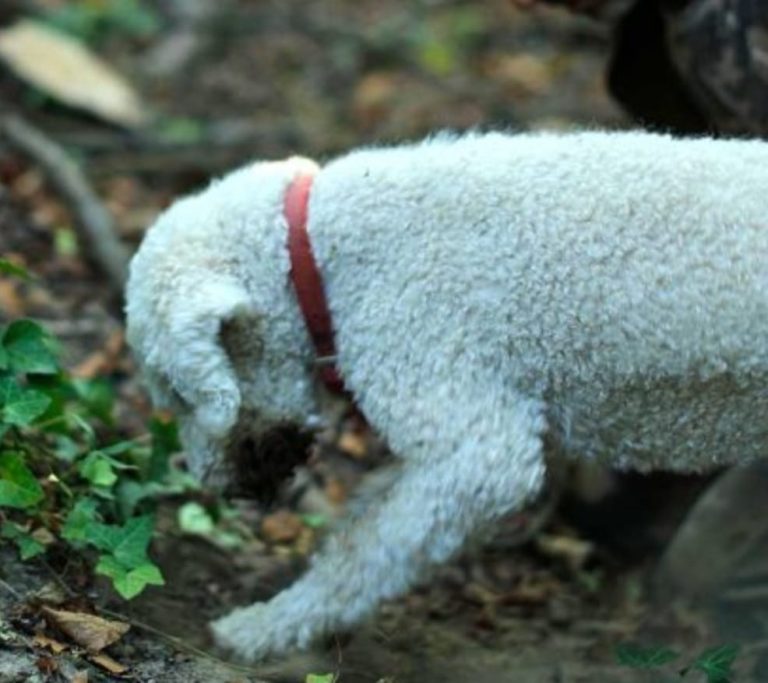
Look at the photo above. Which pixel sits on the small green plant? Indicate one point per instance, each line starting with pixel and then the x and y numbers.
pixel 93 20
pixel 715 663
pixel 320 678
pixel 66 475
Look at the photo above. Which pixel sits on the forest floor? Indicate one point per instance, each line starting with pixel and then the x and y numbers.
pixel 248 80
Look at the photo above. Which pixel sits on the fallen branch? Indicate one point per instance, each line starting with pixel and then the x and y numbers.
pixel 97 228
pixel 10 590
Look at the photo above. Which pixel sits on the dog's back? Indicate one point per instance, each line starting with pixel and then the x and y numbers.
pixel 621 277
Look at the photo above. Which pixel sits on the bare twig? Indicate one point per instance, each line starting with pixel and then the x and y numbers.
pixel 10 589
pixel 135 623
pixel 176 642
pixel 96 225
pixel 294 669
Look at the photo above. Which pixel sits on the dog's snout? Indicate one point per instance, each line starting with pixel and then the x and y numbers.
pixel 260 464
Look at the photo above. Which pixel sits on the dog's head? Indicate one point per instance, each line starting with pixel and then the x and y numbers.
pixel 214 323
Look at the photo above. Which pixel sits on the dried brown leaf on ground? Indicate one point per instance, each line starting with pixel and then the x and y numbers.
pixel 47 665
pixel 109 664
pixel 574 552
pixel 335 491
pixel 43 536
pixel 49 644
pixel 67 71
pixel 281 527
pixel 353 444
pixel 92 632
pixel 523 74
pixel 10 300
pixel 102 361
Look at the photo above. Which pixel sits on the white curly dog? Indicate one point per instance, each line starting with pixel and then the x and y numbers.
pixel 607 290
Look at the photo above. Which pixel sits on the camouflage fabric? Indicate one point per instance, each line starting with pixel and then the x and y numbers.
pixel 720 49
pixel 687 65
pixel 602 10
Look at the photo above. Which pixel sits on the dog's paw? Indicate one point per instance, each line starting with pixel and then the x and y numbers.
pixel 245 633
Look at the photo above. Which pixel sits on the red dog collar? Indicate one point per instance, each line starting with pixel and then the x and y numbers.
pixel 308 282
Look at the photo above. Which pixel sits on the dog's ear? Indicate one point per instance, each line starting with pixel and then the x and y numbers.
pixel 193 359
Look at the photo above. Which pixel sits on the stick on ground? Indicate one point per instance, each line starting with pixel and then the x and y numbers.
pixel 97 228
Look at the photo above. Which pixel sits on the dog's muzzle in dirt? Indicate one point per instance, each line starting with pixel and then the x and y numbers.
pixel 257 467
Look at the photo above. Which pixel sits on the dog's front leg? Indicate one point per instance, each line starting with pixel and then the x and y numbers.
pixel 472 462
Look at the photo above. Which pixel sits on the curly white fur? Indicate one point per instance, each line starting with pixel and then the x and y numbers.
pixel 610 289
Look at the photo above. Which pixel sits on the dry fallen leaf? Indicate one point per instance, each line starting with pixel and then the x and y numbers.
pixel 479 594
pixel 530 593
pixel 50 594
pixel 87 630
pixel 65 69
pixel 109 664
pixel 281 527
pixel 47 665
pixel 43 536
pixel 335 491
pixel 102 361
pixel 79 677
pixel 353 444
pixel 523 75
pixel 49 644
pixel 573 551
pixel 11 303
pixel 374 97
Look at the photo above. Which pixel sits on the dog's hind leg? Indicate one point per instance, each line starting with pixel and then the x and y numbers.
pixel 474 458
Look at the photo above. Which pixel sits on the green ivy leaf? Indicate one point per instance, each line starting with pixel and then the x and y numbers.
pixel 129 582
pixel 79 20
pixel 18 486
pixel 716 663
pixel 79 519
pixel 119 448
pixel 132 544
pixel 81 424
pixel 320 678
pixel 195 519
pixel 644 657
pixel 92 22
pixel 130 492
pixel 66 448
pixel 10 268
pixel 55 388
pixel 5 362
pixel 181 130
pixel 26 408
pixel 98 469
pixel 109 566
pixel 29 348
pixel 137 579
pixel 314 520
pixel 28 546
pixel 101 536
pixel 134 18
pixel 97 396
pixel 165 442
pixel 127 543
pixel 21 406
pixel 9 387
